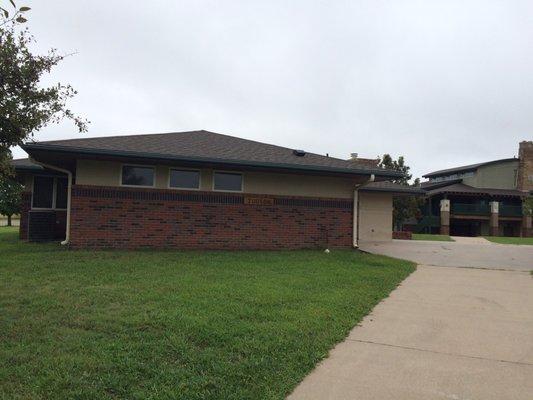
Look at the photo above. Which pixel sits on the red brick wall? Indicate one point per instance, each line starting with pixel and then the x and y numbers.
pixel 107 217
pixel 24 210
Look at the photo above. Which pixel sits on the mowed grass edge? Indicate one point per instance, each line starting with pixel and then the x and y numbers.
pixel 176 325
pixel 510 240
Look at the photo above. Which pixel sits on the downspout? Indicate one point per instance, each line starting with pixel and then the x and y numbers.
pixel 356 210
pixel 69 191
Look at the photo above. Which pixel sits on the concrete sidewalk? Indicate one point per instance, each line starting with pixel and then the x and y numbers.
pixel 445 333
pixel 472 240
pixel 464 253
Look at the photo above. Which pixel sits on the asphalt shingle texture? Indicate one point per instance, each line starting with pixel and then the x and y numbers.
pixel 205 144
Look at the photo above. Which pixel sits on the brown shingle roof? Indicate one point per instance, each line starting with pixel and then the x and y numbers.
pixel 203 145
pixel 466 168
pixel 391 187
pixel 428 185
pixel 25 163
pixel 461 188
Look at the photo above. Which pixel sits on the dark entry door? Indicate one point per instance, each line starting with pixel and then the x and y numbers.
pixel 465 228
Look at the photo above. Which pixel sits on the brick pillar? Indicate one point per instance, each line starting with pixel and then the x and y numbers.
pixel 494 215
pixel 525 166
pixel 527 229
pixel 445 217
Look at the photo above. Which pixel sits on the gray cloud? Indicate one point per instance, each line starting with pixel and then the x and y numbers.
pixel 443 83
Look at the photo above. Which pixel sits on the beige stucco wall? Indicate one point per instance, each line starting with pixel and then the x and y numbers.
pixel 298 185
pixel 375 217
pixel 98 173
pixel 497 176
pixel 107 173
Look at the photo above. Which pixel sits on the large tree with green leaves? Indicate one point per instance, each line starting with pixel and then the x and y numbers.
pixel 25 105
pixel 11 13
pixel 404 207
pixel 10 192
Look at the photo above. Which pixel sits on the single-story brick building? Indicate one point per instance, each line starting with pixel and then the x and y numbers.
pixel 200 190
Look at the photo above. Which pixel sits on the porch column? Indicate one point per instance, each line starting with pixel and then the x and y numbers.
pixel 445 217
pixel 494 215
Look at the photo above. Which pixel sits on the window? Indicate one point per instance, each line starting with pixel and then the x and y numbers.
pixel 184 179
pixel 227 181
pixel 137 176
pixel 43 192
pixel 49 192
pixel 61 192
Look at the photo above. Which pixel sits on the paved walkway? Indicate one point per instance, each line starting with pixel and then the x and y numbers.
pixel 467 252
pixel 471 240
pixel 445 333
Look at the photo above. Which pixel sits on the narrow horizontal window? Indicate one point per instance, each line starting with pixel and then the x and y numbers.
pixel 228 181
pixel 43 192
pixel 184 179
pixel 137 176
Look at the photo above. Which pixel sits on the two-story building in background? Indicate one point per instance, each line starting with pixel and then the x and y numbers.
pixel 485 199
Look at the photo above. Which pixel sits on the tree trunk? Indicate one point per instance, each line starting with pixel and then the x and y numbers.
pixel 9 220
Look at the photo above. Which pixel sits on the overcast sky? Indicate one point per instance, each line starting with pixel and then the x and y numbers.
pixel 444 83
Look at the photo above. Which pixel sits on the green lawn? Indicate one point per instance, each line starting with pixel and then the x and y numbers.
pixel 176 325
pixel 425 236
pixel 510 240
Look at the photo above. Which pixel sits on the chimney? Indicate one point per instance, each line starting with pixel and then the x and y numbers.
pixel 368 162
pixel 525 166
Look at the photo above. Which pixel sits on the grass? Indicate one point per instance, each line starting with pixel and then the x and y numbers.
pixel 510 240
pixel 176 325
pixel 427 236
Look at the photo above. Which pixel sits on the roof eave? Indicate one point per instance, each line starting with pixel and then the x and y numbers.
pixel 28 147
pixel 414 191
pixel 440 184
pixel 26 168
pixel 467 168
pixel 436 174
pixel 479 193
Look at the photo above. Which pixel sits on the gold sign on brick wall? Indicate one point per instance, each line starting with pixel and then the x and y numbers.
pixel 259 201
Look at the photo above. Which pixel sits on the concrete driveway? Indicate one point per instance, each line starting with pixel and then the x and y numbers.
pixel 466 252
pixel 445 333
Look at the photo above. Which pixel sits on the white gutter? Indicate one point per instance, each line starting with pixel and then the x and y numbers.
pixel 356 211
pixel 69 191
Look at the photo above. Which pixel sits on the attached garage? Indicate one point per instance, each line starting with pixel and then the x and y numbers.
pixel 375 209
pixel 375 217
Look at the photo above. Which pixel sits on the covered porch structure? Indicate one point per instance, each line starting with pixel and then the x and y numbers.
pixel 462 210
